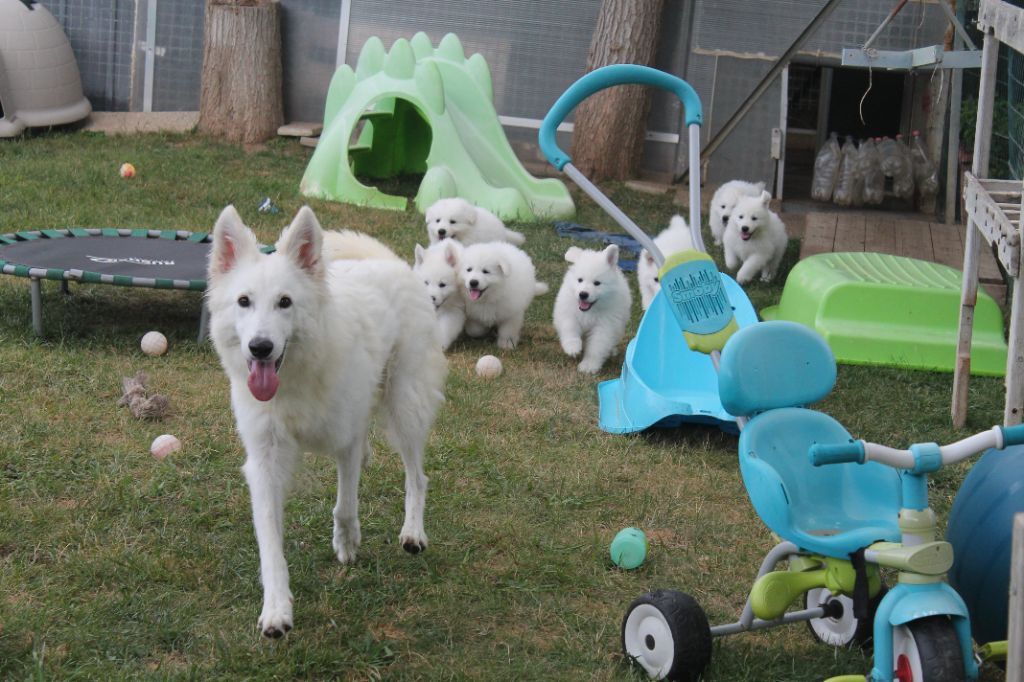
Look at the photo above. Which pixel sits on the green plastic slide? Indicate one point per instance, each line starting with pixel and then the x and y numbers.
pixel 425 111
pixel 878 309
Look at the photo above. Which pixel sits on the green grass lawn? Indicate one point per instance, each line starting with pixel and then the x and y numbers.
pixel 116 566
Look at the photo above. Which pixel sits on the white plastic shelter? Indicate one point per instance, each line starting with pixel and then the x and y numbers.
pixel 39 80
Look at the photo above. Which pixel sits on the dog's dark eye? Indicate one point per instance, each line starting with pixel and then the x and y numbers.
pixel 486 271
pixel 657 279
pixel 741 217
pixel 580 280
pixel 451 221
pixel 723 207
pixel 469 269
pixel 285 302
pixel 243 301
pixel 427 282
pixel 754 218
pixel 442 285
pixel 596 283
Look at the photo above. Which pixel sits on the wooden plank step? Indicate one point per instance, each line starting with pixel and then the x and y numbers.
pixel 880 236
pixel 819 234
pixel 300 129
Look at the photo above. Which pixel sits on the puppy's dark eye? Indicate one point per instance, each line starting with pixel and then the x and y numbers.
pixel 486 271
pixel 441 285
pixel 285 302
pixel 657 279
pixel 580 280
pixel 243 301
pixel 723 207
pixel 451 221
pixel 427 282
pixel 469 269
pixel 754 218
pixel 596 283
pixel 741 217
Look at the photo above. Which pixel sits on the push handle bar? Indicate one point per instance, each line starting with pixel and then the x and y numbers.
pixel 836 453
pixel 606 77
pixel 860 451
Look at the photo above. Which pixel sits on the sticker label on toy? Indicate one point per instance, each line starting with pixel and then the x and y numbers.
pixel 696 297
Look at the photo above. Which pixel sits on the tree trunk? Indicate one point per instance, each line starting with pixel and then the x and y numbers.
pixel 608 136
pixel 241 91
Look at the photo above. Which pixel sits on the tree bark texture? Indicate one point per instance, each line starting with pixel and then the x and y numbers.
pixel 608 135
pixel 241 97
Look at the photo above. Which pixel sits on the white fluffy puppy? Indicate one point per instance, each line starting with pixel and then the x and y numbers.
pixel 438 267
pixel 755 239
pixel 676 237
pixel 499 282
pixel 592 306
pixel 460 220
pixel 724 201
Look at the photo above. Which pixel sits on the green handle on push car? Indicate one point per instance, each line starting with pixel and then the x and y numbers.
pixel 837 453
pixel 606 77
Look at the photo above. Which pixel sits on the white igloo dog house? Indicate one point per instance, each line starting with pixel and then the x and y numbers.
pixel 39 80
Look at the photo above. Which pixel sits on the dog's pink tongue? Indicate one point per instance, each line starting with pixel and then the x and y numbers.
pixel 263 379
pixel 744 236
pixel 585 305
pixel 475 294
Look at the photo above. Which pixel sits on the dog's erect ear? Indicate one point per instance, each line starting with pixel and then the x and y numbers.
pixel 503 266
pixel 467 214
pixel 647 257
pixel 611 254
pixel 232 242
pixel 302 242
pixel 418 255
pixel 766 198
pixel 572 254
pixel 452 252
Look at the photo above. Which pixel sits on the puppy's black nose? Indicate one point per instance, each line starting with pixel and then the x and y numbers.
pixel 744 229
pixel 473 284
pixel 442 232
pixel 584 295
pixel 725 218
pixel 261 348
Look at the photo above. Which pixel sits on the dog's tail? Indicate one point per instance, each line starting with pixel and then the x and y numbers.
pixel 540 288
pixel 351 245
pixel 513 237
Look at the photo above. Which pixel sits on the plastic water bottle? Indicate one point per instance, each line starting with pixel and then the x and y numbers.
pixel 926 176
pixel 826 167
pixel 871 173
pixel 847 192
pixel 903 177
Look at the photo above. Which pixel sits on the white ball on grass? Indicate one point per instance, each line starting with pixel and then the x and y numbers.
pixel 488 367
pixel 164 445
pixel 154 343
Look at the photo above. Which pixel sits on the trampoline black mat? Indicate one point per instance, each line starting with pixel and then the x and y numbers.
pixel 147 258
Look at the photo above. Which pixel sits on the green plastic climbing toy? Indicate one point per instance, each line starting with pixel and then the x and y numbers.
pixel 424 111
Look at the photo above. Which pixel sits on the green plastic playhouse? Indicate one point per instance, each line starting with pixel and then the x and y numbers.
pixel 878 309
pixel 424 111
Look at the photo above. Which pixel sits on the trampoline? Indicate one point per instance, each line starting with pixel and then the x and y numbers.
pixel 158 259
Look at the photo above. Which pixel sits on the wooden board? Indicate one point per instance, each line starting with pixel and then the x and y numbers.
pixel 850 232
pixel 880 235
pixel 819 234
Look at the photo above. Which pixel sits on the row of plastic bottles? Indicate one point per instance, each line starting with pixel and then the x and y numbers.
pixel 853 175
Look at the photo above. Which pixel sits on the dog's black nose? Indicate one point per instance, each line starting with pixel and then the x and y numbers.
pixel 584 295
pixel 442 232
pixel 744 229
pixel 261 348
pixel 725 219
pixel 473 284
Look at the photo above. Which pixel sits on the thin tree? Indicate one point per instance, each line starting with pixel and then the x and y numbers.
pixel 608 137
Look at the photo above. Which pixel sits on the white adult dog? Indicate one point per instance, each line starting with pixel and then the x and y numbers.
pixel 592 306
pixel 460 220
pixel 724 201
pixel 499 282
pixel 438 266
pixel 676 237
pixel 309 350
pixel 755 239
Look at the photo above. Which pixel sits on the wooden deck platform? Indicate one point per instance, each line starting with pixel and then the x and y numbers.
pixel 854 231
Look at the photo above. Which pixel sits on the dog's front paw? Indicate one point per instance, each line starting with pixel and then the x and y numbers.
pixel 276 619
pixel 506 342
pixel 413 541
pixel 590 366
pixel 346 542
pixel 767 276
pixel 572 347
